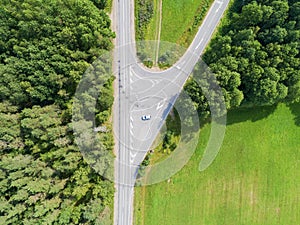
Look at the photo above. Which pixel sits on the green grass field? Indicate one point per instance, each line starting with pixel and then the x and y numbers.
pixel 177 17
pixel 255 179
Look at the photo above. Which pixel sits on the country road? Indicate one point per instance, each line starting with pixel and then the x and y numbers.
pixel 144 92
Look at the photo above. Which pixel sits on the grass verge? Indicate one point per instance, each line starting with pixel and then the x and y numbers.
pixel 255 179
pixel 180 20
pixel 180 23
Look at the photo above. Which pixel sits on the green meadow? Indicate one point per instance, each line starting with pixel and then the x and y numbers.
pixel 254 180
pixel 180 20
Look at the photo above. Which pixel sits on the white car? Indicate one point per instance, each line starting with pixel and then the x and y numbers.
pixel 146 117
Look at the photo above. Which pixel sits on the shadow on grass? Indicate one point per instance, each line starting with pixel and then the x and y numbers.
pixel 253 114
pixel 295 109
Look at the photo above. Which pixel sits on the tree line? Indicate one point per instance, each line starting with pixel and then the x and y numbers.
pixel 45 47
pixel 254 55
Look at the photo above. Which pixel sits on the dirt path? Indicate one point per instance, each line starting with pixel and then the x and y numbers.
pixel 158 31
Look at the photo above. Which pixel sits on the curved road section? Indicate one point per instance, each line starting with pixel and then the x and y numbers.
pixel 143 92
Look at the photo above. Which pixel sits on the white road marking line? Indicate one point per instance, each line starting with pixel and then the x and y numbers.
pixel 156 81
pixel 210 23
pixel 132 154
pixel 219 2
pixel 132 71
pixel 159 105
pixel 218 9
pixel 182 64
pixel 132 157
pixel 199 43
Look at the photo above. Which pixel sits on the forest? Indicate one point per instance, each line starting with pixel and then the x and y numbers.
pixel 45 48
pixel 254 55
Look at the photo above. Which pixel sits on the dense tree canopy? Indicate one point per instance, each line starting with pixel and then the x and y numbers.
pixel 45 47
pixel 255 54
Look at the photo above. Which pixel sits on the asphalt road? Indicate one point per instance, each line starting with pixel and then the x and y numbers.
pixel 143 92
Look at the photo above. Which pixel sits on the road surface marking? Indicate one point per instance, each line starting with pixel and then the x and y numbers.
pixel 132 71
pixel 181 63
pixel 132 154
pixel 132 157
pixel 159 105
pixel 219 2
pixel 210 22
pixel 156 81
pixel 199 44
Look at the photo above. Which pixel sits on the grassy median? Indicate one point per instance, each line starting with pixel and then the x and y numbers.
pixel 254 180
pixel 180 20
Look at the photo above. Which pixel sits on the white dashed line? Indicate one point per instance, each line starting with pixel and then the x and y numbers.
pixel 199 43
pixel 219 2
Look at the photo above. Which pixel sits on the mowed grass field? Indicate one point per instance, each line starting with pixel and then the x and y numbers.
pixel 255 179
pixel 177 18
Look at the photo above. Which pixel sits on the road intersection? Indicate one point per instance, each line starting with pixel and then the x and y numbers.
pixel 144 92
